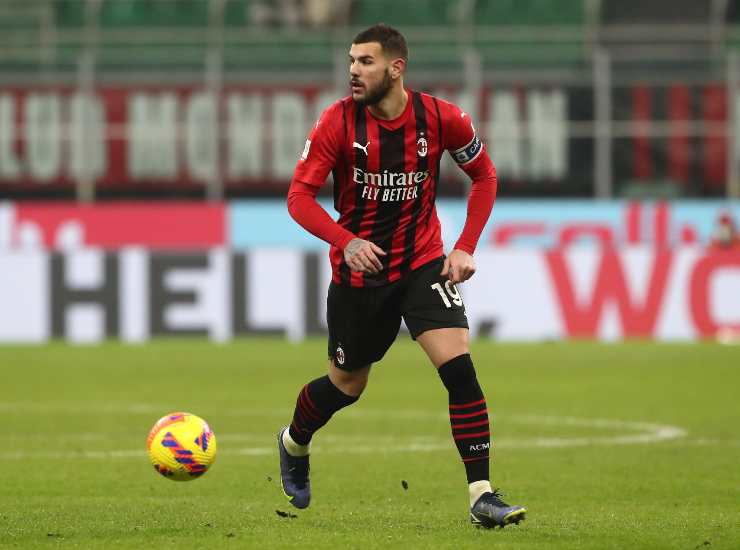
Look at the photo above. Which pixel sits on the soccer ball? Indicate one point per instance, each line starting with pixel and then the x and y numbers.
pixel 181 446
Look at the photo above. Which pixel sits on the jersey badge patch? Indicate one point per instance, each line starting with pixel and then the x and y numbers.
pixel 422 146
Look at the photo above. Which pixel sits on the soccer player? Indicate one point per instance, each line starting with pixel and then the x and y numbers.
pixel 383 144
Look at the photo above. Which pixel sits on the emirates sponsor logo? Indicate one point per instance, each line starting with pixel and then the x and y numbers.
pixel 389 179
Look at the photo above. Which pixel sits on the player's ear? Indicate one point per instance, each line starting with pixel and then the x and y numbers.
pixel 398 66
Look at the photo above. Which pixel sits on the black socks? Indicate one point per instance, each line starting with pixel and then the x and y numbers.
pixel 468 416
pixel 316 404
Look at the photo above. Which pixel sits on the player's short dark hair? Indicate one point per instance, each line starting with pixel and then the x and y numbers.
pixel 392 41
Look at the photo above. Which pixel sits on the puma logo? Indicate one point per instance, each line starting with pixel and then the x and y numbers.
pixel 358 146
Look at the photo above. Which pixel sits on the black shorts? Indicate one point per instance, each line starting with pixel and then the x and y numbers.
pixel 364 322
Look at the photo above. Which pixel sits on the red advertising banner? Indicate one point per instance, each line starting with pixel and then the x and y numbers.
pixel 147 138
pixel 153 137
pixel 184 137
pixel 170 225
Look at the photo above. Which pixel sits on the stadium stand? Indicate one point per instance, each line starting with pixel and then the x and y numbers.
pixel 70 13
pixel 256 35
pixel 473 44
pixel 639 11
pixel 237 13
pixel 530 12
pixel 414 13
pixel 25 27
pixel 504 32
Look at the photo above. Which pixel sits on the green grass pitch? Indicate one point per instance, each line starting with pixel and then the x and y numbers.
pixel 633 445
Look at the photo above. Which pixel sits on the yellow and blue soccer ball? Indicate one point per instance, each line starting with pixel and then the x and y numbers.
pixel 181 446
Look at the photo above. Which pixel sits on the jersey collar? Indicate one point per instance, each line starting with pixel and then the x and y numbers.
pixel 400 120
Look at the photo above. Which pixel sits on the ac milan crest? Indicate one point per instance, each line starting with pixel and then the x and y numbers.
pixel 340 355
pixel 421 146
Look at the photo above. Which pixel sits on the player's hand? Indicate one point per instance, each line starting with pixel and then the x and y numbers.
pixel 459 266
pixel 362 256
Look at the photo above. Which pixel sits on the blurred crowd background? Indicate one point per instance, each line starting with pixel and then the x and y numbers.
pixel 212 98
pixel 175 125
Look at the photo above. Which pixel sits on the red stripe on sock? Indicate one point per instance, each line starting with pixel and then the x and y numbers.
pixel 303 409
pixel 466 405
pixel 469 415
pixel 307 415
pixel 302 419
pixel 305 403
pixel 470 425
pixel 301 415
pixel 474 458
pixel 310 401
pixel 471 436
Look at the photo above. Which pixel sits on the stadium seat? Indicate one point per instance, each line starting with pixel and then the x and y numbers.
pixel 154 13
pixel 26 30
pixel 124 13
pixel 403 14
pixel 150 51
pixel 69 13
pixel 565 50
pixel 236 13
pixel 623 12
pixel 557 12
pixel 305 50
pixel 21 16
pixel 529 12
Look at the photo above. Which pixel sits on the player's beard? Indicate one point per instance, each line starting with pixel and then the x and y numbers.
pixel 376 95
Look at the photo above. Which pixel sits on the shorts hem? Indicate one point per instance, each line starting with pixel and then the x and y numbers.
pixel 432 326
pixel 350 367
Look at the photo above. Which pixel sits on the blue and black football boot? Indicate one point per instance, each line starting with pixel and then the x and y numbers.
pixel 490 511
pixel 294 475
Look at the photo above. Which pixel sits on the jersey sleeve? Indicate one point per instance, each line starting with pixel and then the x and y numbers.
pixel 304 209
pixel 469 152
pixel 460 137
pixel 322 148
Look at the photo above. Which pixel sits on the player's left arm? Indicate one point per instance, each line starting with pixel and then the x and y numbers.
pixel 472 157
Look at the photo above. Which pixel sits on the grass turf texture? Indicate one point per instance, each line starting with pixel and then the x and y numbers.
pixel 75 472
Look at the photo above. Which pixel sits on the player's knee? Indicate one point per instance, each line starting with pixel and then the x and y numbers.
pixel 352 387
pixel 458 372
pixel 443 345
pixel 355 388
pixel 349 382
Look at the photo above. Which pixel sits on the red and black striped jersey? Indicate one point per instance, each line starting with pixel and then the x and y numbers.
pixel 385 176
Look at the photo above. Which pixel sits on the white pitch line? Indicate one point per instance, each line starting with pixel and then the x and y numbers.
pixel 359 444
pixel 156 410
pixel 656 432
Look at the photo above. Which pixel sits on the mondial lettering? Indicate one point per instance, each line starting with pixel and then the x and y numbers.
pixel 389 179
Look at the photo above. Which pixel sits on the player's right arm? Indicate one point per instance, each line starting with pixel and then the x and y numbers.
pixel 319 156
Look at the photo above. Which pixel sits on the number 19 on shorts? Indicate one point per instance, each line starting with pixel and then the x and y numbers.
pixel 451 291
